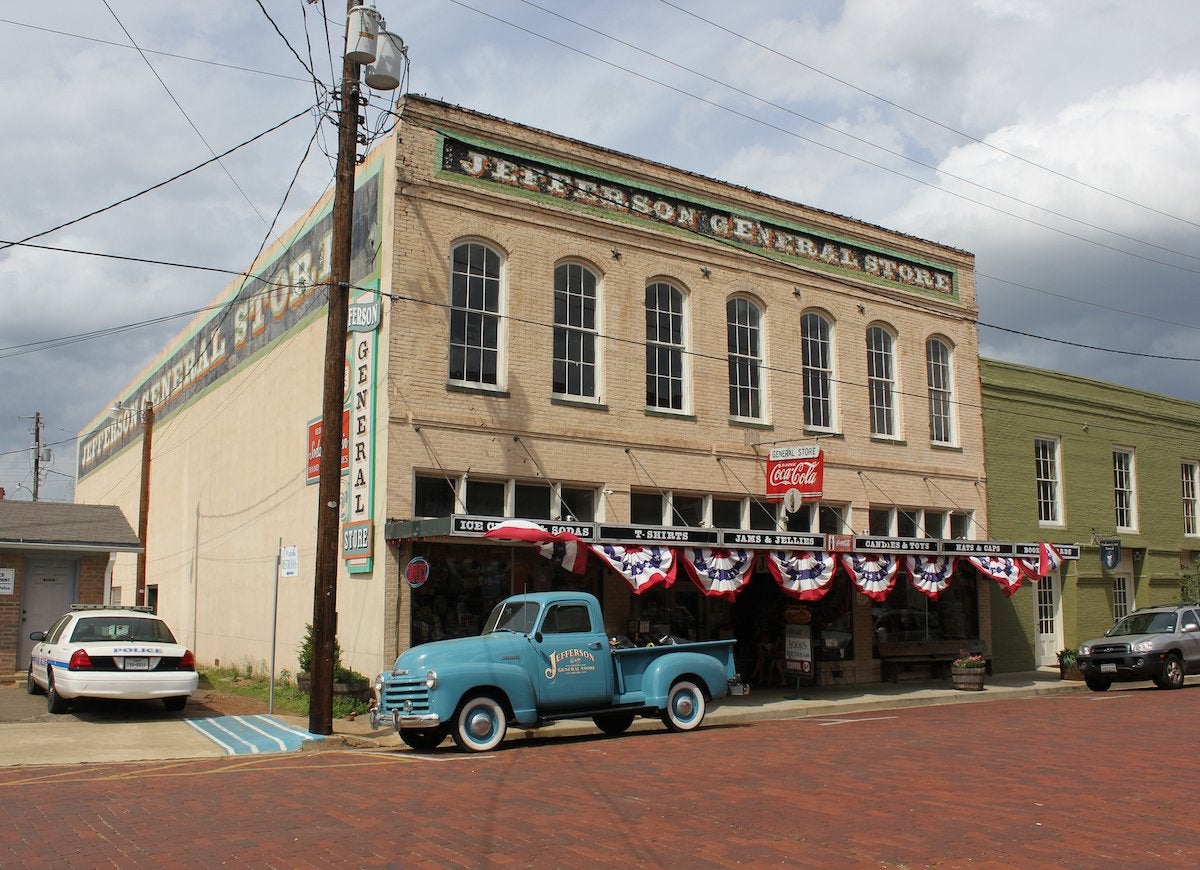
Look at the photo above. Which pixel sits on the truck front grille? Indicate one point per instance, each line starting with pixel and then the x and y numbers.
pixel 406 694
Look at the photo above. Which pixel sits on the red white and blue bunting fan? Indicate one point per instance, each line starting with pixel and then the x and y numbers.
pixel 873 573
pixel 1003 569
pixel 1047 561
pixel 718 571
pixel 643 567
pixel 802 574
pixel 561 548
pixel 931 574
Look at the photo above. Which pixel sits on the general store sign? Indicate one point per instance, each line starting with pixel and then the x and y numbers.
pixel 795 468
pixel 567 186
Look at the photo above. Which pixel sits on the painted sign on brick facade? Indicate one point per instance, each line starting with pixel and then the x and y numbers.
pixel 560 185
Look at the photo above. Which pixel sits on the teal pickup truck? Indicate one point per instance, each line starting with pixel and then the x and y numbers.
pixel 543 657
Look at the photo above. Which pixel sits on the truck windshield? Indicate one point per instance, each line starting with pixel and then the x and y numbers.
pixel 512 616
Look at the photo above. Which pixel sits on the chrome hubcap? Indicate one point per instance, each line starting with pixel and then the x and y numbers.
pixel 480 724
pixel 685 706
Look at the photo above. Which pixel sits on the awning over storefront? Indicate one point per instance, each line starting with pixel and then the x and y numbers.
pixel 719 561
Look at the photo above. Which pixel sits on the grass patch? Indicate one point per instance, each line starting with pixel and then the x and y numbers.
pixel 288 699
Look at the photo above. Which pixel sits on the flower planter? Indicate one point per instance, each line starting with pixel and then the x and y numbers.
pixel 968 679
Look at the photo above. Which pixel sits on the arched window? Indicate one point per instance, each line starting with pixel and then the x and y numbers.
pixel 816 342
pixel 664 347
pixel 475 330
pixel 941 391
pixel 881 381
pixel 575 359
pixel 743 321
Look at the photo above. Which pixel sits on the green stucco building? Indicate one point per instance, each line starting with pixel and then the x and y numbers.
pixel 1076 461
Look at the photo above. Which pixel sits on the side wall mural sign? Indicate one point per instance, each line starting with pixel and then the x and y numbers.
pixel 284 292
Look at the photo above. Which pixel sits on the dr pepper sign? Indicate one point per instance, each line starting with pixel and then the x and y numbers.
pixel 795 474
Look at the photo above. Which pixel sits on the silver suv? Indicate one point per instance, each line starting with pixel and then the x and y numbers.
pixel 1154 643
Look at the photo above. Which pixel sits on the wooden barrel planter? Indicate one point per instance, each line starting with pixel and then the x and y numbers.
pixel 968 679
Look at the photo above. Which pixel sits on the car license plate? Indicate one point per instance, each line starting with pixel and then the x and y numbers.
pixel 137 663
pixel 1107 668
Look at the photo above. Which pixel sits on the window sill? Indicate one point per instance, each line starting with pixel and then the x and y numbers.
pixel 938 445
pixel 477 389
pixel 888 439
pixel 749 423
pixel 822 433
pixel 572 402
pixel 669 414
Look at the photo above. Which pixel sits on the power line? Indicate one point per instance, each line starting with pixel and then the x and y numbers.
pixel 899 154
pixel 933 121
pixel 8 244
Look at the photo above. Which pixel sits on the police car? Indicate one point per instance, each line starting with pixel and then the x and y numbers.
pixel 100 651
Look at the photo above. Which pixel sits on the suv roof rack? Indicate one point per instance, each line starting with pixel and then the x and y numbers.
pixel 140 608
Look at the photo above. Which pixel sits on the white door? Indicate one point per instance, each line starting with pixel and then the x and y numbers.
pixel 1047 620
pixel 48 593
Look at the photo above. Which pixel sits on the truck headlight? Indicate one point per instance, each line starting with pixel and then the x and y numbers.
pixel 431 680
pixel 1085 650
pixel 1143 646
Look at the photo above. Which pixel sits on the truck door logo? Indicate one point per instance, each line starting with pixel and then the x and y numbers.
pixel 570 661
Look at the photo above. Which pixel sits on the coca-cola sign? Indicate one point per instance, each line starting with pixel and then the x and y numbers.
pixel 798 468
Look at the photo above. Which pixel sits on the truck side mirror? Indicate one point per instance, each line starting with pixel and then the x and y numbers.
pixel 538 636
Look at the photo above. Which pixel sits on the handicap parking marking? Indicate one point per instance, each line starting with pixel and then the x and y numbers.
pixel 251 735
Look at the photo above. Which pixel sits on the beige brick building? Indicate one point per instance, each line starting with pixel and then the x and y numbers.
pixel 550 330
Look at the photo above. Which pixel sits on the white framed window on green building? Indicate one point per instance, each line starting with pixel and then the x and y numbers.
pixel 1190 485
pixel 1124 489
pixel 1046 475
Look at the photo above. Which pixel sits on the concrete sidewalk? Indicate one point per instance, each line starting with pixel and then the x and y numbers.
pixel 768 703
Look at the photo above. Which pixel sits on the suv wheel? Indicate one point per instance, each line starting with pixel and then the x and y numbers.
pixel 1098 685
pixel 1172 673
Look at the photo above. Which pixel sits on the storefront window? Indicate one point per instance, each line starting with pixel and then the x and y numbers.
pixel 833 617
pixel 879 521
pixel 727 513
pixel 433 497
pixel 679 611
pixel 577 504
pixel 532 501
pixel 763 515
pixel 802 520
pixel 646 508
pixel 687 510
pixel 906 522
pixel 833 520
pixel 908 614
pixel 485 498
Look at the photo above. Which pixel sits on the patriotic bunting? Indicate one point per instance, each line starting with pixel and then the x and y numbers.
pixel 643 567
pixel 802 574
pixel 563 548
pixel 718 571
pixel 873 573
pixel 931 574
pixel 1003 569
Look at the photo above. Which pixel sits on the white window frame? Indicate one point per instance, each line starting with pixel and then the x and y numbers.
pixel 678 351
pixel 578 336
pixel 823 373
pixel 881 381
pixel 939 374
pixel 1189 474
pixel 743 327
pixel 1125 489
pixel 1048 487
pixel 497 316
pixel 1122 601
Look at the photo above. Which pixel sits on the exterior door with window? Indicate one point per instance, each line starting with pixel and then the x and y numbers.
pixel 576 672
pixel 1047 617
pixel 48 592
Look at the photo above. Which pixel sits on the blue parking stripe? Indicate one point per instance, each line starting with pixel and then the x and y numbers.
pixel 252 735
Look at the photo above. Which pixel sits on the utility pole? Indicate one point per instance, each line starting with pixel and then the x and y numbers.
pixel 144 503
pixel 37 452
pixel 329 485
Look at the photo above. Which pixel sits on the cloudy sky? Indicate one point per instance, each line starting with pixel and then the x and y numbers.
pixel 1057 141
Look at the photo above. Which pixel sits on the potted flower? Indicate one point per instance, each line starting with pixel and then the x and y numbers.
pixel 1068 668
pixel 968 671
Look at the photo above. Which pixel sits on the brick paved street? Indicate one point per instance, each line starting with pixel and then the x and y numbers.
pixel 1065 781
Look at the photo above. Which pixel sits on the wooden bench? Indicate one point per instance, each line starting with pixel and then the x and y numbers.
pixel 938 654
